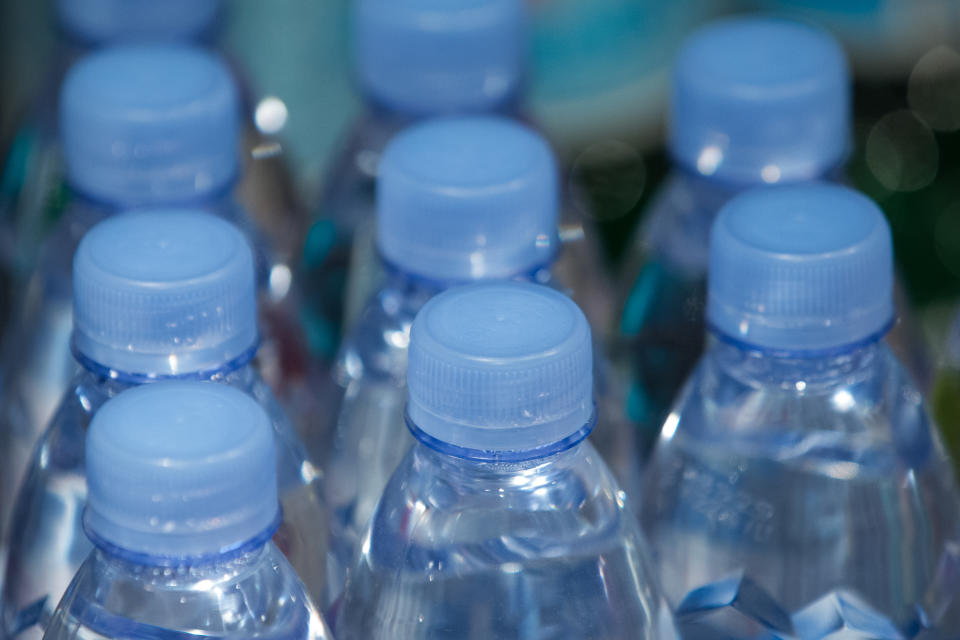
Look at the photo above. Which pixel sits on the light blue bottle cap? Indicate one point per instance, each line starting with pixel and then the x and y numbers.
pixel 164 293
pixel 501 370
pixel 180 469
pixel 462 199
pixel 112 21
pixel 439 56
pixel 800 268
pixel 760 100
pixel 149 125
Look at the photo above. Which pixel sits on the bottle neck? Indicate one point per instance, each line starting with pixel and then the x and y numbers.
pixel 711 192
pixel 509 106
pixel 168 552
pixel 504 475
pixel 419 289
pixel 719 186
pixel 183 577
pixel 218 201
pixel 239 370
pixel 377 344
pixel 804 373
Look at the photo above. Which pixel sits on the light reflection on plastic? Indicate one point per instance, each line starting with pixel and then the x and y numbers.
pixel 670 426
pixel 280 280
pixel 709 159
pixel 770 174
pixel 270 115
pixel 842 400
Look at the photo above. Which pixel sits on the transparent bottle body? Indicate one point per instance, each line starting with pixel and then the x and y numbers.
pixel 32 194
pixel 464 549
pixel 342 215
pixel 662 300
pixel 255 595
pixel 802 497
pixel 47 542
pixel 370 436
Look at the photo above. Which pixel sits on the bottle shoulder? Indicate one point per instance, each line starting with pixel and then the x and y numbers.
pixel 678 221
pixel 864 409
pixel 548 545
pixel 378 343
pixel 256 595
pixel 63 439
pixel 349 186
pixel 436 506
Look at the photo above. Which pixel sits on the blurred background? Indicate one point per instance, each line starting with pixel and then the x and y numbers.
pixel 597 84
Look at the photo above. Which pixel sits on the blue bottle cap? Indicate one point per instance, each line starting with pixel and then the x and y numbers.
pixel 148 125
pixel 500 370
pixel 112 21
pixel 800 268
pixel 180 470
pixel 163 293
pixel 439 56
pixel 471 198
pixel 760 100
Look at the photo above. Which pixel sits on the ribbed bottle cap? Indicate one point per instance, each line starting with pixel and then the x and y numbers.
pixel 439 56
pixel 162 293
pixel 463 199
pixel 501 368
pixel 149 125
pixel 800 268
pixel 180 469
pixel 112 21
pixel 760 100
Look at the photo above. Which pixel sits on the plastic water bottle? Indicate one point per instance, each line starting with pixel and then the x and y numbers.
pixel 458 200
pixel 754 101
pixel 32 196
pixel 502 521
pixel 182 506
pixel 412 59
pixel 141 126
pixel 799 488
pixel 158 295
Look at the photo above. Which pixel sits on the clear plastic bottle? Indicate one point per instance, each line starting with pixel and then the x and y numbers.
pixel 130 141
pixel 502 521
pixel 799 487
pixel 459 200
pixel 754 101
pixel 412 59
pixel 166 294
pixel 32 198
pixel 182 505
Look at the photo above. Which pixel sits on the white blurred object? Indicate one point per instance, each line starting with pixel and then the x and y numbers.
pixel 884 38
